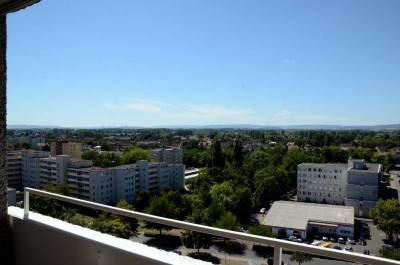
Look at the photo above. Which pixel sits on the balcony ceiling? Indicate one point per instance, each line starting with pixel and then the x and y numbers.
pixel 9 6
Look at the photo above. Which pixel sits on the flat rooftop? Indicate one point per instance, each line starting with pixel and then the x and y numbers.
pixel 297 215
pixel 369 167
pixel 323 165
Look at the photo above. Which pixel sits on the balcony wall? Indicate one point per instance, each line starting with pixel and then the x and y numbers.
pixel 46 241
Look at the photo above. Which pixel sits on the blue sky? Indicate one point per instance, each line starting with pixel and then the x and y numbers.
pixel 169 62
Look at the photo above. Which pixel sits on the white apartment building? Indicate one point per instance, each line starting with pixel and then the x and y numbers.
pixel 353 184
pixel 14 168
pixel 102 185
pixel 170 156
pixel 321 183
pixel 30 168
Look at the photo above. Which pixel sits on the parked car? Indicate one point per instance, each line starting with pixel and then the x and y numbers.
pixel 351 240
pixel 333 239
pixel 327 245
pixel 263 210
pixel 253 220
pixel 349 248
pixel 337 247
pixel 341 240
pixel 325 238
pixel 295 239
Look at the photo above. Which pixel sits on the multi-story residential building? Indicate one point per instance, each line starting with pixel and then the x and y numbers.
pixel 170 156
pixel 352 184
pixel 362 186
pixel 321 183
pixel 14 169
pixel 30 168
pixel 61 147
pixel 104 185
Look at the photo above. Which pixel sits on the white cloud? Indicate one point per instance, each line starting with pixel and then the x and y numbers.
pixel 211 114
pixel 140 105
pixel 186 113
pixel 283 115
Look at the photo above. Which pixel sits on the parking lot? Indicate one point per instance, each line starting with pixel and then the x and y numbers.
pixel 373 237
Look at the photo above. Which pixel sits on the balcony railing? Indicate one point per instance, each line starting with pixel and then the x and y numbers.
pixel 277 244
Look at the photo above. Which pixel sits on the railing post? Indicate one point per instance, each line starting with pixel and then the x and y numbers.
pixel 26 204
pixel 277 255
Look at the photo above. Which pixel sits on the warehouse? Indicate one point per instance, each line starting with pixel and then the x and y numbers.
pixel 303 219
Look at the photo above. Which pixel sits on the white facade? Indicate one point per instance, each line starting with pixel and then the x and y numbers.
pixel 353 184
pixel 30 168
pixel 362 189
pixel 170 156
pixel 104 185
pixel 14 169
pixel 322 183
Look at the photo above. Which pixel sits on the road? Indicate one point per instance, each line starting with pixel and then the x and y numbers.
pixel 248 257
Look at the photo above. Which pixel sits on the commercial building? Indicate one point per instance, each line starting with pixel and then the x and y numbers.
pixel 321 183
pixel 353 184
pixel 299 219
pixel 170 156
pixel 61 147
pixel 362 186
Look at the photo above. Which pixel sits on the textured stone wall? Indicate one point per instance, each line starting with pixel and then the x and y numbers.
pixel 5 254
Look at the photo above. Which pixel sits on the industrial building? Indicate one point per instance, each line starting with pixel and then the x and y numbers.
pixel 300 219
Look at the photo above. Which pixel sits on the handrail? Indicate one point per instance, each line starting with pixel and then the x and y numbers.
pixel 278 244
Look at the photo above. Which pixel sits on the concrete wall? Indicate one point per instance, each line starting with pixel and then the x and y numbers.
pixel 369 193
pixel 361 209
pixel 47 241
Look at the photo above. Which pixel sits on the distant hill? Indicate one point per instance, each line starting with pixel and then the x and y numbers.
pixel 229 126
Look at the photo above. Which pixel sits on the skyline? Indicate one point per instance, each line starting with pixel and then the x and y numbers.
pixel 153 63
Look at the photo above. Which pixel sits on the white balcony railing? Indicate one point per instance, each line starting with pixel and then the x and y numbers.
pixel 277 244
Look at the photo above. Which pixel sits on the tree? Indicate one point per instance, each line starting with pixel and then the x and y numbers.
pixel 112 226
pixel 223 194
pixel 132 222
pixel 267 188
pixel 261 230
pixel 160 206
pixel 238 153
pixel 192 239
pixel 143 200
pixel 133 154
pixel 217 158
pixel 228 221
pixel 301 257
pixel 56 209
pixel 386 216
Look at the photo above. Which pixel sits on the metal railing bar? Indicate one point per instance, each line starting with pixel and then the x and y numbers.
pixel 273 242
